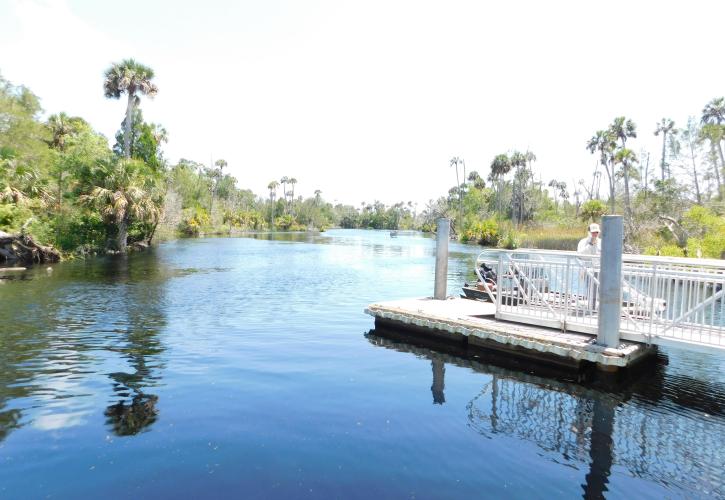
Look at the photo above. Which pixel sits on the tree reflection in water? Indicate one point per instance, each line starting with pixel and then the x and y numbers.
pixel 127 419
pixel 135 409
pixel 650 425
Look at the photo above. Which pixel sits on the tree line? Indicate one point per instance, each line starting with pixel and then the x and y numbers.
pixel 674 206
pixel 60 181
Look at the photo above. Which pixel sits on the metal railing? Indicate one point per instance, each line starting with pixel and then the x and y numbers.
pixel 664 300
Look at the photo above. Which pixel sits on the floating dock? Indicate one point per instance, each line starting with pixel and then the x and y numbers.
pixel 472 323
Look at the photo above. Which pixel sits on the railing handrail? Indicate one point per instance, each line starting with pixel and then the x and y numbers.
pixel 627 258
pixel 664 299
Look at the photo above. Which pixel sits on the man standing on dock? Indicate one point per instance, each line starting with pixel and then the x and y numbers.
pixel 591 245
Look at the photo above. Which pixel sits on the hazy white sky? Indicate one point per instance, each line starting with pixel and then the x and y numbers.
pixel 370 99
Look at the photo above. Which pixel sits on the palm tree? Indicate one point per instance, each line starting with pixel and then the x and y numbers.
pixel 715 133
pixel 604 143
pixel 464 173
pixel 61 127
pixel 131 78
pixel 272 186
pixel 644 179
pixel 714 111
pixel 554 184
pixel 713 117
pixel 691 136
pixel 500 166
pixel 623 129
pixel 519 162
pixel 665 126
pixel 626 158
pixel 124 196
pixel 454 162
pixel 292 181
pixel 477 180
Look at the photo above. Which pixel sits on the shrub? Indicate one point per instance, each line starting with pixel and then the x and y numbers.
pixel 667 250
pixel 592 210
pixel 81 232
pixel 512 239
pixel 484 233
pixel 193 221
pixel 12 217
pixel 707 230
pixel 284 222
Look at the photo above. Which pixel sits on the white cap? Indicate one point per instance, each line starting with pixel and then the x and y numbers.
pixel 594 228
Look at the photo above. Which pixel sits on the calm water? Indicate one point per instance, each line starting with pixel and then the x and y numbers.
pixel 245 367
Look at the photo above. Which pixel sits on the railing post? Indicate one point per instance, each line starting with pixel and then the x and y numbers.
pixel 610 281
pixel 441 277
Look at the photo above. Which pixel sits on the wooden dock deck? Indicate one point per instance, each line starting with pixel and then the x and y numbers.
pixel 473 323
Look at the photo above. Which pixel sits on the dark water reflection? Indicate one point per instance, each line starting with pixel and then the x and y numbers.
pixel 238 368
pixel 598 425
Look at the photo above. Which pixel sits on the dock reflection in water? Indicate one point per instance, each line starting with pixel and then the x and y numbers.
pixel 668 433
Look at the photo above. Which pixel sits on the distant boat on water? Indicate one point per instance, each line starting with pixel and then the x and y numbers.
pixel 394 234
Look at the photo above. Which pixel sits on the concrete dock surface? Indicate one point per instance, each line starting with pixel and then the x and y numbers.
pixel 473 322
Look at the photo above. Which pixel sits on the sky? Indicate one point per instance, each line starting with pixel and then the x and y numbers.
pixel 369 100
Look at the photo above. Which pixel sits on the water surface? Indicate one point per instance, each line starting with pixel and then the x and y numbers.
pixel 245 367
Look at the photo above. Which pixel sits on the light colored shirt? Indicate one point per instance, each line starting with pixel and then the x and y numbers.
pixel 587 247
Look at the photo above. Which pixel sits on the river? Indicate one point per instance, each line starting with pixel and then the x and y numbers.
pixel 245 367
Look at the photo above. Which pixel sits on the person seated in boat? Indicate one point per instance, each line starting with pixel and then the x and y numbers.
pixel 489 277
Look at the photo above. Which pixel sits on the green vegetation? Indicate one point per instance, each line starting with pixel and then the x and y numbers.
pixel 681 213
pixel 62 183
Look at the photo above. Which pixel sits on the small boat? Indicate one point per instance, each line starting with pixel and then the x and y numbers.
pixel 475 292
pixel 394 234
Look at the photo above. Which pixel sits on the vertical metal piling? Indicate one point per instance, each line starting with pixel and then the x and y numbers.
pixel 441 272
pixel 610 281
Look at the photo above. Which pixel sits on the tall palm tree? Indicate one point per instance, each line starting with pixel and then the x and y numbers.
pixel 477 180
pixel 131 78
pixel 714 134
pixel 216 174
pixel 714 111
pixel 500 166
pixel 463 162
pixel 626 158
pixel 61 127
pixel 713 117
pixel 604 143
pixel 665 126
pixel 124 196
pixel 455 161
pixel 284 180
pixel 519 162
pixel 292 181
pixel 622 129
pixel 272 186
pixel 691 136
pixel 222 164
pixel 554 185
